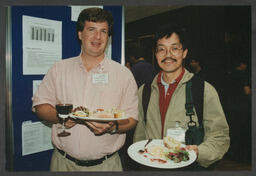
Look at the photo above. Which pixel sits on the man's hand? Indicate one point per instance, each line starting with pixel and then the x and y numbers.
pixel 70 123
pixel 99 128
pixel 193 147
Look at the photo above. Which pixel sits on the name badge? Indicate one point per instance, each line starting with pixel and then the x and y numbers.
pixel 177 133
pixel 100 78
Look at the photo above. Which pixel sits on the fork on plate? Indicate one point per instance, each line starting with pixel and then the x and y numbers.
pixel 142 151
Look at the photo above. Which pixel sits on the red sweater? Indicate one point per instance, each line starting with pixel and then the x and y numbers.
pixel 164 100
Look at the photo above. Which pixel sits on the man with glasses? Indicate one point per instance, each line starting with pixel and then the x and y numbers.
pixel 167 102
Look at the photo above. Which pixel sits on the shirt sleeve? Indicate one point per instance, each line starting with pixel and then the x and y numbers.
pixel 46 93
pixel 129 100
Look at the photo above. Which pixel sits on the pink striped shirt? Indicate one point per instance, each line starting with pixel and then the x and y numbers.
pixel 68 81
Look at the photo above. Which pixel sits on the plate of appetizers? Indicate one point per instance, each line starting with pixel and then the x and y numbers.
pixel 99 114
pixel 166 154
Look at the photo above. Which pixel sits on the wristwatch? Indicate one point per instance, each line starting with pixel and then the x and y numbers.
pixel 116 129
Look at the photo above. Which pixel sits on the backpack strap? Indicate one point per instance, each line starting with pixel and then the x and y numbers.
pixel 189 99
pixel 145 99
pixel 198 96
pixel 195 97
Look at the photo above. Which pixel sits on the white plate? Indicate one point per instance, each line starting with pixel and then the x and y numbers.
pixel 136 156
pixel 97 118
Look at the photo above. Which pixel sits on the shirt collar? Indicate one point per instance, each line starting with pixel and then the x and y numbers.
pixel 99 66
pixel 165 83
pixel 160 79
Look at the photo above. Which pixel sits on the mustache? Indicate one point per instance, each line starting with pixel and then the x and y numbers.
pixel 167 58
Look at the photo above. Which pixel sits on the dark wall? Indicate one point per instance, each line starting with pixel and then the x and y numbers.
pixel 217 35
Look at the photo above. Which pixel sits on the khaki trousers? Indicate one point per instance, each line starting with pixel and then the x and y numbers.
pixel 61 164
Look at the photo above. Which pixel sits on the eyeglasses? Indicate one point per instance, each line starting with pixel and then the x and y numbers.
pixel 162 50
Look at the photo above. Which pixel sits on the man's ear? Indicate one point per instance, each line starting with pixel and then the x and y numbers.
pixel 185 52
pixel 80 35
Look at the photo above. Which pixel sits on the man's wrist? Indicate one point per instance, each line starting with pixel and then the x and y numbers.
pixel 115 130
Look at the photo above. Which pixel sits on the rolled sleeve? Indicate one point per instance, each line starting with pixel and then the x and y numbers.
pixel 130 98
pixel 46 93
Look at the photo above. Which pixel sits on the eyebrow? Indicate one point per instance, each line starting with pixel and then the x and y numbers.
pixel 90 27
pixel 94 27
pixel 174 44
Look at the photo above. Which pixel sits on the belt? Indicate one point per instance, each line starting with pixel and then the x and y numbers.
pixel 85 162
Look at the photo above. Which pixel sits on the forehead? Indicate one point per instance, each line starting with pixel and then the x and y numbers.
pixel 102 25
pixel 172 40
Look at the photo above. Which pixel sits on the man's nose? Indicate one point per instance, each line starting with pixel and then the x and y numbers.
pixel 169 52
pixel 97 34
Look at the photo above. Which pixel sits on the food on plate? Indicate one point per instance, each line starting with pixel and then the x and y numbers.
pixel 171 143
pixel 103 114
pixel 171 150
pixel 80 113
pixel 98 113
pixel 99 109
pixel 178 155
pixel 118 113
pixel 112 113
pixel 157 151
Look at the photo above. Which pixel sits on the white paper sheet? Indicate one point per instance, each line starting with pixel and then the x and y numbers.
pixel 42 44
pixel 36 84
pixel 36 137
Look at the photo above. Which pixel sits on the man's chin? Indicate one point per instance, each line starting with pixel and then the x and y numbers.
pixel 97 54
pixel 168 70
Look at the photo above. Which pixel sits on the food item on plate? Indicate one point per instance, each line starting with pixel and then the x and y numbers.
pixel 99 109
pixel 113 113
pixel 171 150
pixel 103 114
pixel 157 151
pixel 118 113
pixel 178 155
pixel 80 113
pixel 171 143
pixel 98 113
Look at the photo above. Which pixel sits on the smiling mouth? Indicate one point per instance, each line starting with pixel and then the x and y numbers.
pixel 96 44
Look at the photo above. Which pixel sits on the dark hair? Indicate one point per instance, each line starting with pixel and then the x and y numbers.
pixel 240 60
pixel 95 15
pixel 195 58
pixel 167 31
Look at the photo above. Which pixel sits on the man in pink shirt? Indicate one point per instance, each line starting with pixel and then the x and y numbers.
pixel 93 81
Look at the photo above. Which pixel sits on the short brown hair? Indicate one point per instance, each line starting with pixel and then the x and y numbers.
pixel 95 15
